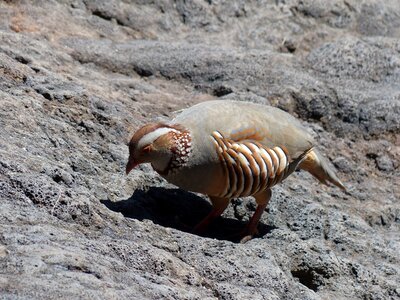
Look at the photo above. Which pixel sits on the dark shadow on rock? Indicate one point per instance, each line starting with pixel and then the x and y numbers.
pixel 178 209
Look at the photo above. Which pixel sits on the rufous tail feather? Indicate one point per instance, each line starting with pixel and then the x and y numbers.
pixel 318 166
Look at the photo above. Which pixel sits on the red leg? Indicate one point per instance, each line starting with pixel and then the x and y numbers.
pixel 262 200
pixel 219 205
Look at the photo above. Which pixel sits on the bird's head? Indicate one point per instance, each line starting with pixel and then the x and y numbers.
pixel 153 143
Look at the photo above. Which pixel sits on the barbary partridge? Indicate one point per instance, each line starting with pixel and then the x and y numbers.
pixel 227 149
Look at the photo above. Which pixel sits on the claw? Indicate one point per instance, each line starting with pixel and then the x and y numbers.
pixel 246 238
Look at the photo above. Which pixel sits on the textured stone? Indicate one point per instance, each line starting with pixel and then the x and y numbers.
pixel 78 77
pixel 384 163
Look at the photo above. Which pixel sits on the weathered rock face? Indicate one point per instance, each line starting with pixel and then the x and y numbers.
pixel 78 77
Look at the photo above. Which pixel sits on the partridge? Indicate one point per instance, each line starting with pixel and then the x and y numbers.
pixel 228 149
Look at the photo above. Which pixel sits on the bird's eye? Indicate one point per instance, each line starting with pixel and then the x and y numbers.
pixel 146 149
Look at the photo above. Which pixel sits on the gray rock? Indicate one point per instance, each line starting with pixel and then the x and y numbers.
pixel 77 78
pixel 343 164
pixel 384 163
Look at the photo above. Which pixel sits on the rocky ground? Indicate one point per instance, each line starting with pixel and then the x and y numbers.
pixel 78 77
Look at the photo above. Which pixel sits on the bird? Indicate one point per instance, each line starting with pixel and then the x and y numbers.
pixel 227 149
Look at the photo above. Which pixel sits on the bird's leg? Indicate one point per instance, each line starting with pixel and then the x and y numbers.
pixel 262 200
pixel 219 205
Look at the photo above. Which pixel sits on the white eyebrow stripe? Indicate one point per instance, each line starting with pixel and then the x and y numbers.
pixel 150 137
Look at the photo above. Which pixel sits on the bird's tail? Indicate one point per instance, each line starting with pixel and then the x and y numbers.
pixel 318 166
pixel 295 163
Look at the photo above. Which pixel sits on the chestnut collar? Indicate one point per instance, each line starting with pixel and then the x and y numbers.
pixel 181 150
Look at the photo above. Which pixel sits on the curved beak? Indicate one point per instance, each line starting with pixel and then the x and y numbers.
pixel 130 166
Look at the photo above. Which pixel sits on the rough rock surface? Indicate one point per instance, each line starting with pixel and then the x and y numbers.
pixel 77 77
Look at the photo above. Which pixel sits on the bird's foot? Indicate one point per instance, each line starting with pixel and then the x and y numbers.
pixel 246 238
pixel 200 228
pixel 181 225
pixel 247 234
pixel 242 236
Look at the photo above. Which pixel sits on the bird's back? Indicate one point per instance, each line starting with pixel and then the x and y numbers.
pixel 246 121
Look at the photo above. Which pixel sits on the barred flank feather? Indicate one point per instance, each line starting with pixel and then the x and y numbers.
pixel 249 167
